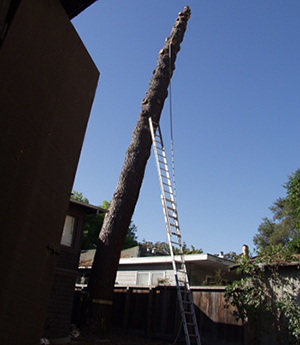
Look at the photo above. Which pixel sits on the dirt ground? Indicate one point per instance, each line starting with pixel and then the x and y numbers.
pixel 117 339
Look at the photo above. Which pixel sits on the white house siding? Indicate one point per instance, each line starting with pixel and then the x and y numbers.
pixel 154 270
pixel 291 281
pixel 170 279
pixel 145 277
pixel 126 278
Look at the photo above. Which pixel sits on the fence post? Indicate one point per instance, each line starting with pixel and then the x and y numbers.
pixel 127 308
pixel 152 291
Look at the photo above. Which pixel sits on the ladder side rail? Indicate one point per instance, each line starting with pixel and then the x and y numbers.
pixel 182 285
pixel 162 187
pixel 169 186
pixel 163 191
pixel 167 209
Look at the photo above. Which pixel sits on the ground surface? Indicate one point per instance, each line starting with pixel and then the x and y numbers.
pixel 117 339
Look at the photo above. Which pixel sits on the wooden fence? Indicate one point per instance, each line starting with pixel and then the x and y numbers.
pixel 154 313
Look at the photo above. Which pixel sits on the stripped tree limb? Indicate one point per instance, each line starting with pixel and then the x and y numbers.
pixel 117 220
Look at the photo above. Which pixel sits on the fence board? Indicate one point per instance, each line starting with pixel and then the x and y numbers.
pixel 154 313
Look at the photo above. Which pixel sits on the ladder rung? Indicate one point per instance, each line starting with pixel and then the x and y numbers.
pixel 188 302
pixel 168 192
pixel 171 206
pixel 186 293
pixel 179 262
pixel 162 159
pixel 193 335
pixel 175 234
pixel 163 176
pixel 175 243
pixel 182 272
pixel 191 324
pixel 181 280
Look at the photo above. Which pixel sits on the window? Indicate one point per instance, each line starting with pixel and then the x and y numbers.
pixel 156 277
pixel 68 232
pixel 142 278
pixel 149 278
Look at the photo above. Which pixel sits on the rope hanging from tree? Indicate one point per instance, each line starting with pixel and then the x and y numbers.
pixel 171 123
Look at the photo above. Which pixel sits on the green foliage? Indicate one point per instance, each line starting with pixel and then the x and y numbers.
pixel 160 247
pixel 93 225
pixel 231 256
pixel 294 244
pixel 284 227
pixel 131 238
pixel 163 248
pixel 256 296
pixel 191 250
pixel 105 205
pixel 163 281
pixel 290 308
pixel 293 199
pixel 216 280
pixel 278 230
pixel 79 197
pixel 293 192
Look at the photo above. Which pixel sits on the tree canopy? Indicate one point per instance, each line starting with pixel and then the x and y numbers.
pixel 293 199
pixel 284 227
pixel 93 226
pixel 256 295
pixel 163 248
pixel 75 195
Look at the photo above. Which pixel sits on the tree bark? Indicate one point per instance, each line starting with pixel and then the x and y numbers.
pixel 117 220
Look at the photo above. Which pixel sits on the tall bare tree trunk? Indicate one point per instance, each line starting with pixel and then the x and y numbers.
pixel 117 220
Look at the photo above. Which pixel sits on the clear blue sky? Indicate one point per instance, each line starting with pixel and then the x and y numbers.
pixel 235 97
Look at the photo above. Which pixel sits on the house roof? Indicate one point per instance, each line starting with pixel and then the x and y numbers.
pixel 86 258
pixel 207 260
pixel 88 207
pixel 74 7
pixel 279 262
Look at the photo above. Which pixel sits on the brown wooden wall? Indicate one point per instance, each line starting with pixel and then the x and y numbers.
pixel 47 85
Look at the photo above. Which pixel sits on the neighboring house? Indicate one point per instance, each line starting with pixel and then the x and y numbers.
pixel 288 271
pixel 291 272
pixel 203 269
pixel 287 280
pixel 59 313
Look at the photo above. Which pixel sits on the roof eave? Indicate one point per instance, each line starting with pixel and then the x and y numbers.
pixel 75 7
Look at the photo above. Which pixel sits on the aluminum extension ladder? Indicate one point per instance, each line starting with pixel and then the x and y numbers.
pixel 184 294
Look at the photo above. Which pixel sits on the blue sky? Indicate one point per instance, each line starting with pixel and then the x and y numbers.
pixel 235 103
